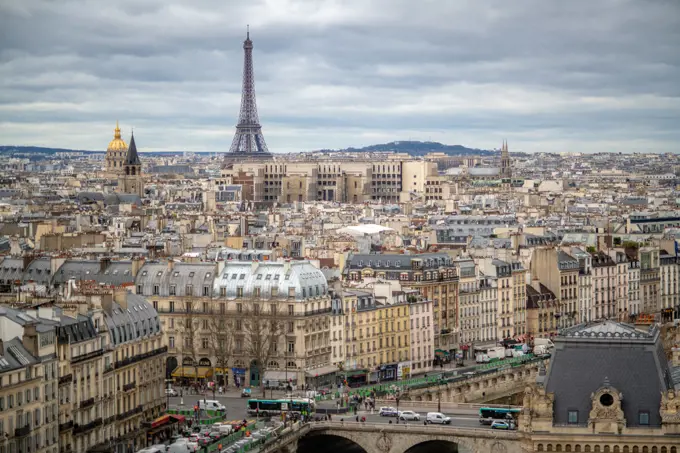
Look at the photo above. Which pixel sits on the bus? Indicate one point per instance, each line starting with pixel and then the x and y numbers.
pixel 265 408
pixel 488 414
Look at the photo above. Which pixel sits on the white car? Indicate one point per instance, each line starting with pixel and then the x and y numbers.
pixel 388 411
pixel 438 418
pixel 171 392
pixel 409 415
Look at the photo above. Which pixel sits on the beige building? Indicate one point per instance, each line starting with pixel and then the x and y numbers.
pixel 343 180
pixel 559 272
pixel 115 153
pixel 28 384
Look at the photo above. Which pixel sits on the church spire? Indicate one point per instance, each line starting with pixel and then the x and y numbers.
pixel 132 157
pixel 116 131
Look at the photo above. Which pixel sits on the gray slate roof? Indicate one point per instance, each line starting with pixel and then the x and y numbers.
pixel 138 320
pixel 632 361
pixel 116 273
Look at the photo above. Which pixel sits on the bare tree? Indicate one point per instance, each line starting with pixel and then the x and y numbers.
pixel 263 327
pixel 188 330
pixel 220 327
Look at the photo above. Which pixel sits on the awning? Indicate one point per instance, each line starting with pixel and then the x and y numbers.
pixel 160 421
pixel 328 369
pixel 277 375
pixel 356 372
pixel 190 372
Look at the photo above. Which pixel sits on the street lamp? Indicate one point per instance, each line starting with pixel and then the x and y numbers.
pixel 397 393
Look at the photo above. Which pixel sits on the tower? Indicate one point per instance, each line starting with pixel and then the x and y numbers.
pixel 248 140
pixel 115 153
pixel 130 181
pixel 506 169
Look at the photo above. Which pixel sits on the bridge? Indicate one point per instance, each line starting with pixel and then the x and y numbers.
pixel 384 438
pixel 485 386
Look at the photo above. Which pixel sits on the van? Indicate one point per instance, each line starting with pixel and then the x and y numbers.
pixel 211 405
pixel 438 418
pixel 223 429
pixel 544 342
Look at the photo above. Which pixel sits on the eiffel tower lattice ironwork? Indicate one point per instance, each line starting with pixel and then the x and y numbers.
pixel 248 138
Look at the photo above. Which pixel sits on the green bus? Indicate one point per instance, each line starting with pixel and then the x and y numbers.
pixel 488 414
pixel 266 408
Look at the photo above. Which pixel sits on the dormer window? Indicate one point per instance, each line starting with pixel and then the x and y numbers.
pixel 643 418
pixel 191 274
pixel 159 273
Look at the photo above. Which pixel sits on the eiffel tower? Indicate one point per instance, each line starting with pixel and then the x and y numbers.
pixel 248 141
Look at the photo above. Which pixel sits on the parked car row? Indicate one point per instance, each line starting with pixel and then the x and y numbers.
pixel 255 436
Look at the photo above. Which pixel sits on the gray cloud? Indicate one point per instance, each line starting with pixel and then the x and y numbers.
pixel 549 76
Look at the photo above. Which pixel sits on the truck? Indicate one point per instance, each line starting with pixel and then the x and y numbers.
pixel 497 353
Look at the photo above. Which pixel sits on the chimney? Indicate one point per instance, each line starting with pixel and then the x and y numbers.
pixel 104 264
pixel 27 260
pixel 254 264
pixel 171 264
pixel 286 267
pixel 137 264
pixel 30 339
pixel 120 295
pixel 536 284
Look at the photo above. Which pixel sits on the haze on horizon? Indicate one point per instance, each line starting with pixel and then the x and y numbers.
pixel 546 76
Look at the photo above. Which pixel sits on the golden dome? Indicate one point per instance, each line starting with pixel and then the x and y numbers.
pixel 117 144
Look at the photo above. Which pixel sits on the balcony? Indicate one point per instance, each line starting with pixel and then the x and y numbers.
pixel 87 403
pixel 130 386
pixel 65 426
pixel 65 379
pixel 80 429
pixel 136 358
pixel 109 368
pixel 87 356
pixel 23 431
pixel 130 413
pixel 318 312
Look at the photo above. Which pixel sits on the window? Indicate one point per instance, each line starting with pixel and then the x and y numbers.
pixel 256 292
pixel 172 306
pixel 291 291
pixel 291 309
pixel 239 308
pixel 189 290
pixel 171 342
pixel 173 290
pixel 239 345
pixel 256 309
pixel 239 324
pixel 204 343
pixel 223 308
pixel 140 289
pixel 205 307
pixel 573 417
pixel 643 417
pixel 275 291
pixel 155 290
pixel 290 327
pixel 206 291
pixel 291 346
pixel 239 291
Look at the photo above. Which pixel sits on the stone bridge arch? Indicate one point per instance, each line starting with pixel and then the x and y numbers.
pixel 361 440
pixel 408 442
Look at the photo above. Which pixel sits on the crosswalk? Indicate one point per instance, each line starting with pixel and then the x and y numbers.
pixel 234 422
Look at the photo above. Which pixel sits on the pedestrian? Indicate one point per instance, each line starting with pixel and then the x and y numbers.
pixel 357 419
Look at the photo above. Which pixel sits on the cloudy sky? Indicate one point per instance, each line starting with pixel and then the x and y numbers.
pixel 576 75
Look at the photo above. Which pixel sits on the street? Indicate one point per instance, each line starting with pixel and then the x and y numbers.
pixel 236 410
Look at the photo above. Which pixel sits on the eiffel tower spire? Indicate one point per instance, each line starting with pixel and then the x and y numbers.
pixel 248 138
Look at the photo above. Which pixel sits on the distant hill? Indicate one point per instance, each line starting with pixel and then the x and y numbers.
pixel 416 148
pixel 9 149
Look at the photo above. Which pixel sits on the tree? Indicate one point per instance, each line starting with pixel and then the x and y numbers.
pixel 263 326
pixel 220 327
pixel 188 328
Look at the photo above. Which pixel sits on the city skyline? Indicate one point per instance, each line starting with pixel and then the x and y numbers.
pixel 552 78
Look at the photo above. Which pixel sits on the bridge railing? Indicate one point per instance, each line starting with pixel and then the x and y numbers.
pixel 444 405
pixel 417 427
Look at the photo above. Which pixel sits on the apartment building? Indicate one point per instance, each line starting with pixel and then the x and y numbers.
pixel 669 297
pixel 488 302
pixel 28 384
pixel 422 337
pixel 542 309
pixel 469 308
pixel 650 280
pixel 559 272
pixel 585 284
pixel 634 301
pixel 510 318
pixel 604 286
pixel 293 298
pixel 434 275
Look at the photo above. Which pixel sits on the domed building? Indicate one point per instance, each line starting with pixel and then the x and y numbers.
pixel 116 153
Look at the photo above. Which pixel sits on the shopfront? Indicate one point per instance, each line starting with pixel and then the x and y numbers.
pixel 163 428
pixel 187 375
pixel 404 370
pixel 356 378
pixel 239 374
pixel 322 377
pixel 388 372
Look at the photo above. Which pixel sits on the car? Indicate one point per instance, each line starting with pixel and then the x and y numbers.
pixel 437 418
pixel 215 435
pixel 171 392
pixel 409 415
pixel 205 441
pixel 388 412
pixel 500 424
